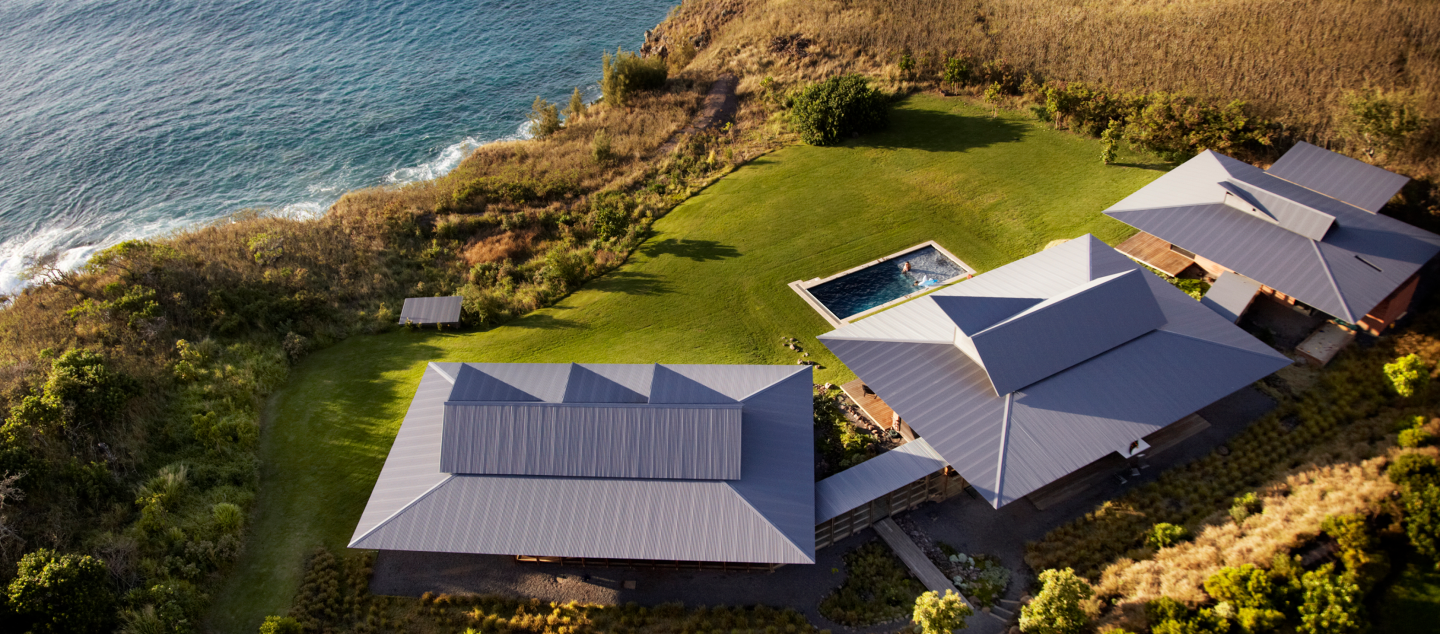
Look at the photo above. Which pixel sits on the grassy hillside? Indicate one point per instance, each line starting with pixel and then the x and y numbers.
pixel 1292 60
pixel 708 287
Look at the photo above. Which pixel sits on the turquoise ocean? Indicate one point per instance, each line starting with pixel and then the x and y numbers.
pixel 132 118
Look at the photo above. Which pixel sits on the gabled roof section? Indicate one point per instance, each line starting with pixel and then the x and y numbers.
pixel 472 384
pixel 431 310
pixel 763 515
pixel 586 386
pixel 1286 241
pixel 1338 176
pixel 1065 330
pixel 974 314
pixel 1007 445
pixel 669 386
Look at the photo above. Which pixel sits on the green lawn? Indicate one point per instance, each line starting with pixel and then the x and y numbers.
pixel 708 287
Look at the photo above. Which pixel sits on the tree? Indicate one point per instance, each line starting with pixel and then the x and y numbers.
pixel 1352 533
pixel 941 615
pixel 57 593
pixel 577 106
pixel 1408 374
pixel 1332 603
pixel 544 118
pixel 1108 140
pixel 828 111
pixel 610 214
pixel 992 97
pixel 1056 609
pixel 1379 123
pixel 906 64
pixel 957 71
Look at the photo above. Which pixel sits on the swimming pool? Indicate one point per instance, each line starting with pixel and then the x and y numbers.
pixel 858 290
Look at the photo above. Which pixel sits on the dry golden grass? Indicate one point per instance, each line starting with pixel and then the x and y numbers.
pixel 1291 59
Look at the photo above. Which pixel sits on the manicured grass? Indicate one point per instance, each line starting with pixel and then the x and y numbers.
pixel 708 287
pixel 1412 605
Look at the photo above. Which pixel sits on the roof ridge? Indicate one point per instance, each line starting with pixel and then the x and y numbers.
pixel 1325 266
pixel 774 383
pixel 1214 343
pixel 409 505
pixel 1004 447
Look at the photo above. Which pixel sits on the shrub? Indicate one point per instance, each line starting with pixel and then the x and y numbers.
pixel 1259 620
pixel 1245 587
pixel 610 214
pixel 544 118
pixel 1408 374
pixel 1332 603
pixel 1378 123
pixel 625 74
pixel 281 625
pixel 826 112
pixel 1108 140
pixel 941 615
pixel 1057 608
pixel 1413 470
pixel 877 588
pixel 1412 438
pixel 1352 533
pixel 1245 506
pixel 62 593
pixel 600 147
pixel 1422 520
pixel 1165 535
pixel 957 71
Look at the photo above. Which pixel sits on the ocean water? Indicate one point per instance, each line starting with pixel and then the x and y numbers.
pixel 131 118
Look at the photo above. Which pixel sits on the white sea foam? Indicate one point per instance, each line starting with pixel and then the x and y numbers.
pixel 449 158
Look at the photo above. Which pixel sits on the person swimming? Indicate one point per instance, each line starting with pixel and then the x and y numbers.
pixel 906 267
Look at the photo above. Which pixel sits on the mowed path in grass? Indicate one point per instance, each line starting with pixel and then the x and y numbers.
pixel 708 287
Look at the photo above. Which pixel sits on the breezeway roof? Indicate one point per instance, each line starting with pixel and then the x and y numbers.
pixel 1306 228
pixel 675 497
pixel 1008 444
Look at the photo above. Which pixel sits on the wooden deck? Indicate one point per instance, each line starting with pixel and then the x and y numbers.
pixel 874 408
pixel 1155 253
pixel 914 559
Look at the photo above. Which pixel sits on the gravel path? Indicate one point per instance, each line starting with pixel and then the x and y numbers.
pixel 964 521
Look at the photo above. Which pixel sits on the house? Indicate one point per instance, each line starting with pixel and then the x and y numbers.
pixel 426 311
pixel 705 464
pixel 1025 374
pixel 1306 230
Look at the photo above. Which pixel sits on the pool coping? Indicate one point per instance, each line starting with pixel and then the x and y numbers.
pixel 801 287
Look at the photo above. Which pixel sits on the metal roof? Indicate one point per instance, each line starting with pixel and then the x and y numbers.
pixel 1066 329
pixel 430 310
pixel 1007 445
pixel 1338 176
pixel 630 440
pixel 765 516
pixel 1231 295
pixel 1357 262
pixel 875 477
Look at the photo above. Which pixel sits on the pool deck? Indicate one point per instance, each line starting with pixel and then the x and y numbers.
pixel 801 287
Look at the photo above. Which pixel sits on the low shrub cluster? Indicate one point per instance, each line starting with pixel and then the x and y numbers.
pixel 839 445
pixel 877 589
pixel 981 577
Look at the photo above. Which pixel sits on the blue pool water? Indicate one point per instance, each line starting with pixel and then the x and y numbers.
pixel 129 118
pixel 886 281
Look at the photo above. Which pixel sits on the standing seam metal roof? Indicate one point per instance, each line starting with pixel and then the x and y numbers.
pixel 1361 259
pixel 1071 418
pixel 430 310
pixel 766 516
pixel 1338 176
